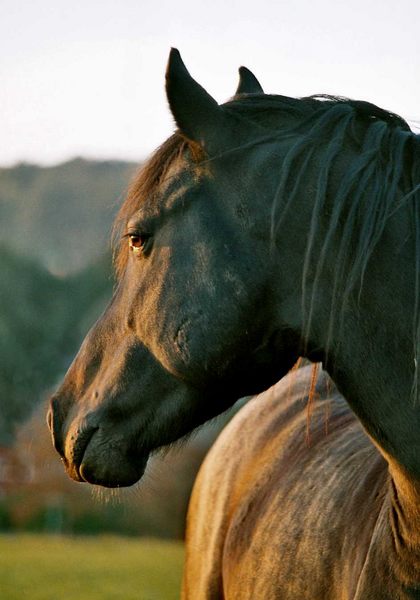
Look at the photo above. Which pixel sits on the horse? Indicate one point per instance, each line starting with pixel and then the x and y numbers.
pixel 287 506
pixel 265 229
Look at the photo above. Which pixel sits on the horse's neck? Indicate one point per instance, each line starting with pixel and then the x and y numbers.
pixel 368 345
pixel 371 357
pixel 374 369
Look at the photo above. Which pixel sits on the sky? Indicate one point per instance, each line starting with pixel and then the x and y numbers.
pixel 86 78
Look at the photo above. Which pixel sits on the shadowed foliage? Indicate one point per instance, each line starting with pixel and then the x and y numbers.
pixel 42 319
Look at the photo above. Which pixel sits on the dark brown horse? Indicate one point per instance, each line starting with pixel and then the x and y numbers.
pixel 264 229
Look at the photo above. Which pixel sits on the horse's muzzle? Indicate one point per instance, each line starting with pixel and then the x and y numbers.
pixel 90 450
pixel 71 447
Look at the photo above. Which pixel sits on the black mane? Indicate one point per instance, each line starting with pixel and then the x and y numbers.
pixel 258 106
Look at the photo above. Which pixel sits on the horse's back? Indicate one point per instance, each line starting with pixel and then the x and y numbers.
pixel 265 517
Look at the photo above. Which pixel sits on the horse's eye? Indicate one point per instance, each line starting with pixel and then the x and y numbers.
pixel 137 242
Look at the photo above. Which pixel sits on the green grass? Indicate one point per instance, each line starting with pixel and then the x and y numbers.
pixel 39 567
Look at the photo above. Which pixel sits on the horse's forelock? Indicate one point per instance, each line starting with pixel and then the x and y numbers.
pixel 143 187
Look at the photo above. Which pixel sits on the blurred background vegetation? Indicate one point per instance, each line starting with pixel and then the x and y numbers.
pixel 56 278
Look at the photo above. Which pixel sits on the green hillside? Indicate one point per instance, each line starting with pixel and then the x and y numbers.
pixel 61 215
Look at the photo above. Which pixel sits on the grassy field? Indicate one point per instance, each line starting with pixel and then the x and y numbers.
pixel 38 567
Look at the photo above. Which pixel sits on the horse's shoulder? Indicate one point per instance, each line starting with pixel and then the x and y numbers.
pixel 276 460
pixel 266 428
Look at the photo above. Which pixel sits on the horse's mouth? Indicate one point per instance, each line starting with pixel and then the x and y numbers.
pixel 106 464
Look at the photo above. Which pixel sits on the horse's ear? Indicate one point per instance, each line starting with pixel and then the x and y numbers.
pixel 196 113
pixel 248 83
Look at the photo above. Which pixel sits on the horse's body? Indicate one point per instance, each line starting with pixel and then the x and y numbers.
pixel 265 229
pixel 279 512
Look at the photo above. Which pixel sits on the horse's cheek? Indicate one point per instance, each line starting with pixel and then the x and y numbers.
pixel 186 351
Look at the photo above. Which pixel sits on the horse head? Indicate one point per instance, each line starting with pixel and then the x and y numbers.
pixel 193 323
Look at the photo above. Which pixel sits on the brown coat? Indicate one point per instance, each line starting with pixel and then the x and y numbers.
pixel 275 515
